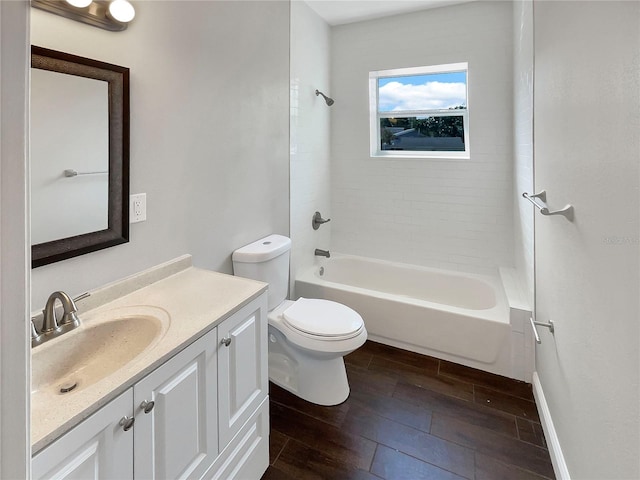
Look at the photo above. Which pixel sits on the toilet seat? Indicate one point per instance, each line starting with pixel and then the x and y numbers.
pixel 323 319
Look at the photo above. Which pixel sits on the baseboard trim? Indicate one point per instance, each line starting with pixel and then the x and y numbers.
pixel 555 451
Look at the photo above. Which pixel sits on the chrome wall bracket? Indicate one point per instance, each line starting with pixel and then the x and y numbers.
pixel 548 325
pixel 539 200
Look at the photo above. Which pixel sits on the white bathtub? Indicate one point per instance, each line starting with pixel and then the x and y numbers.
pixel 454 316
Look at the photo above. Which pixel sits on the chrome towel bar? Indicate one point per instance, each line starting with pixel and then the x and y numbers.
pixel 539 200
pixel 549 325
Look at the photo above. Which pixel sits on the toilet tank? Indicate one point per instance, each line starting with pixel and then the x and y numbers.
pixel 266 260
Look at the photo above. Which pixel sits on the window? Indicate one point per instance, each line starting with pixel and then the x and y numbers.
pixel 419 112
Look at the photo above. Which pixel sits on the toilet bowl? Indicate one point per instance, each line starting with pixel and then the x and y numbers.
pixel 308 364
pixel 308 338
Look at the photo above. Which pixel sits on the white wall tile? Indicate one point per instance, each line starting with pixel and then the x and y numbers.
pixel 447 213
pixel 309 137
pixel 523 142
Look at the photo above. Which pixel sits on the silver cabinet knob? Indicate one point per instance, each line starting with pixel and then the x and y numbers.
pixel 127 423
pixel 226 341
pixel 147 406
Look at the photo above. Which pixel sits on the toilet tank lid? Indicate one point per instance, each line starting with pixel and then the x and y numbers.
pixel 262 250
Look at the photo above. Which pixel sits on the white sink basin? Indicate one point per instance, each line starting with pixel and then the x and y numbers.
pixel 95 350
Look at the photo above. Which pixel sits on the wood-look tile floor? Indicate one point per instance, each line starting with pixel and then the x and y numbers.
pixel 410 417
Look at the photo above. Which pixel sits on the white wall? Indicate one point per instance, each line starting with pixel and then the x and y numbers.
pixel 523 142
pixel 209 132
pixel 15 350
pixel 587 151
pixel 445 213
pixel 310 136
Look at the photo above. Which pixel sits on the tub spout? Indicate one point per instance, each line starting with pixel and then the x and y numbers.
pixel 322 253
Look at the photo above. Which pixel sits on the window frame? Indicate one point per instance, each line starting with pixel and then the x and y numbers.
pixel 375 115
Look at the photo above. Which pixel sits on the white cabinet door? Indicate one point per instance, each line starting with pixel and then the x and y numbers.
pixel 242 367
pixel 98 448
pixel 178 437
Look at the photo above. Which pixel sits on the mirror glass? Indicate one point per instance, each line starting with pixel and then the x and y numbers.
pixel 70 128
pixel 79 155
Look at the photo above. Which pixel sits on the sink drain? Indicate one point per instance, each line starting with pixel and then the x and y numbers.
pixel 67 387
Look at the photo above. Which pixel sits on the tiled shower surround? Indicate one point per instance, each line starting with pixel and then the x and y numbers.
pixel 449 213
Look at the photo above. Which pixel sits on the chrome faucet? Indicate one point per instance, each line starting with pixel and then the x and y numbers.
pixel 51 328
pixel 322 253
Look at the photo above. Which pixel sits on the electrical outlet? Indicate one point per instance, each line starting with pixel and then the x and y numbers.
pixel 138 208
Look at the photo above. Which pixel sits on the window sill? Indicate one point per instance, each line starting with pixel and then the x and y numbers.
pixel 422 155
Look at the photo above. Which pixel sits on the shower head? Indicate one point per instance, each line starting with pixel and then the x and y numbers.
pixel 326 99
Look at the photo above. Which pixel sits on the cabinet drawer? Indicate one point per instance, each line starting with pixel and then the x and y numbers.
pixel 247 455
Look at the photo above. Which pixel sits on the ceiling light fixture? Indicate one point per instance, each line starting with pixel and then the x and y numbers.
pixel 110 15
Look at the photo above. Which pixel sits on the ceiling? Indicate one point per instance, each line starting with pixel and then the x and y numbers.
pixel 339 12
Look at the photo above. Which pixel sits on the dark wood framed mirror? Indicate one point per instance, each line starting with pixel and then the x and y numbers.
pixel 63 198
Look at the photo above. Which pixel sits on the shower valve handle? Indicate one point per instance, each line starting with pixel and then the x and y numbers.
pixel 318 220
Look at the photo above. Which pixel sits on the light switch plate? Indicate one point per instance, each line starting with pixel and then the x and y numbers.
pixel 138 208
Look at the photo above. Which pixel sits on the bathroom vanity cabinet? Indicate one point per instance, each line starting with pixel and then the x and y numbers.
pixel 209 416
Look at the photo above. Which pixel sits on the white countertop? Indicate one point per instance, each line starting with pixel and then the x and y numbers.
pixel 195 300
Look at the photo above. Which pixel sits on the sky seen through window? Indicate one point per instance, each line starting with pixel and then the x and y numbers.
pixel 422 92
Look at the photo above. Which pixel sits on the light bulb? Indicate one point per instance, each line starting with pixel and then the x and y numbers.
pixel 122 11
pixel 79 3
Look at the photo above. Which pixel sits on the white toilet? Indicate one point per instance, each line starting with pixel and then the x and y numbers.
pixel 308 337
